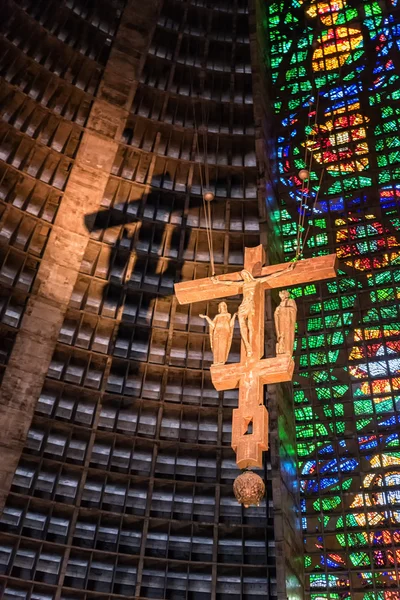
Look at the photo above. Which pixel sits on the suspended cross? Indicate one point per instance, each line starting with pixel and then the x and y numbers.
pixel 250 419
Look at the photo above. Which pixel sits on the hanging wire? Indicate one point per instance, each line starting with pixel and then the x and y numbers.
pixel 298 236
pixel 300 242
pixel 303 212
pixel 302 196
pixel 312 211
pixel 206 205
pixel 308 132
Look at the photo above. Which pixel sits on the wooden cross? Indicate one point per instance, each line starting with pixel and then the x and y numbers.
pixel 250 419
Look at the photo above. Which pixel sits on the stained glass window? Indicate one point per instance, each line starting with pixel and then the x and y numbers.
pixel 336 72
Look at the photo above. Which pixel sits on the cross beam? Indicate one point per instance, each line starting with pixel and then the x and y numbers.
pixel 267 370
pixel 304 271
pixel 250 419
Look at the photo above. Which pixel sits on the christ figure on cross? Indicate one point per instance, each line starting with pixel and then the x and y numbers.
pixel 247 308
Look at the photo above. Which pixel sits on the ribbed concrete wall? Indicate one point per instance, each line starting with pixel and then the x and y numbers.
pixel 123 484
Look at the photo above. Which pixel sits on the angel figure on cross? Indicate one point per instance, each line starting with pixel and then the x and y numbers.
pixel 221 333
pixel 246 310
pixel 285 323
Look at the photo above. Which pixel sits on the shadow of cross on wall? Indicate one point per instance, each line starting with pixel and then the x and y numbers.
pixel 145 245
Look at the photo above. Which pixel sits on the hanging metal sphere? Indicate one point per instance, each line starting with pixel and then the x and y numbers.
pixel 249 489
pixel 304 174
pixel 208 196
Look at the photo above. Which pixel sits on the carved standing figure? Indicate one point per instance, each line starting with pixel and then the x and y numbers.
pixel 285 323
pixel 221 332
pixel 246 310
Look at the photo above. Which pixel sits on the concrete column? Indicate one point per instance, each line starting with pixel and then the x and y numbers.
pixel 59 268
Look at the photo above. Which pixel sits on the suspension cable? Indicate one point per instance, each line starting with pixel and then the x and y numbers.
pixel 313 209
pixel 206 204
pixel 300 242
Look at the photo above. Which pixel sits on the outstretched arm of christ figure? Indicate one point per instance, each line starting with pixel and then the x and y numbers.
pixel 225 282
pixel 290 267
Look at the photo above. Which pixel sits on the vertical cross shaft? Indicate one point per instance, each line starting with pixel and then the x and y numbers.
pixel 250 422
pixel 250 419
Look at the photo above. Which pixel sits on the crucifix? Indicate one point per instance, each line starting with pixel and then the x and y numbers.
pixel 250 419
